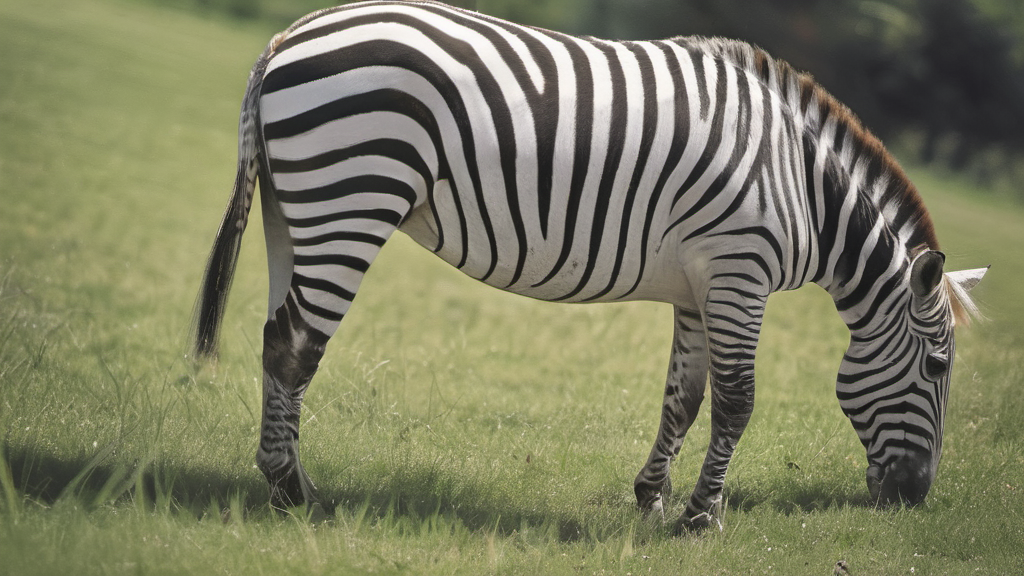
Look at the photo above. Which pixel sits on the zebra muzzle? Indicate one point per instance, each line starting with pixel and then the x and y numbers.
pixel 905 481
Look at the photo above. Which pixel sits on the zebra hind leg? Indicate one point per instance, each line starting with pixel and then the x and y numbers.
pixel 291 353
pixel 684 392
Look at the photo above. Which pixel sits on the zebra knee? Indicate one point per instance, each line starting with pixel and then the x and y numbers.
pixel 291 349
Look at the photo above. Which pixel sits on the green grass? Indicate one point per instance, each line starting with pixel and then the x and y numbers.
pixel 452 428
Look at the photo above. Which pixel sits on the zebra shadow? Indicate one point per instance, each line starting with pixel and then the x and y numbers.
pixel 206 492
pixel 809 495
pixel 100 479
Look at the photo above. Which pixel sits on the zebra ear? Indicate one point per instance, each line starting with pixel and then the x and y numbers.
pixel 926 272
pixel 967 279
pixel 960 283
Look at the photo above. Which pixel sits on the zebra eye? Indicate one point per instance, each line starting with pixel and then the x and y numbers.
pixel 936 364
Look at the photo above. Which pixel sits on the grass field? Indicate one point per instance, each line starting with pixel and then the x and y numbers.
pixel 453 429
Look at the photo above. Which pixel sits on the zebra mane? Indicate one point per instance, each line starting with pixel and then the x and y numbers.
pixel 809 101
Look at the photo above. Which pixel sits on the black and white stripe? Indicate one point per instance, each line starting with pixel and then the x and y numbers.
pixel 698 172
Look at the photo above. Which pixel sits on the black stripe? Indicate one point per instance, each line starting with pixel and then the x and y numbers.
pixel 616 142
pixel 399 150
pixel 381 214
pixel 370 183
pixel 345 260
pixel 300 281
pixel 834 184
pixel 753 257
pixel 648 87
pixel 714 141
pixel 339 236
pixel 581 159
pixel 875 267
pixel 703 94
pixel 679 140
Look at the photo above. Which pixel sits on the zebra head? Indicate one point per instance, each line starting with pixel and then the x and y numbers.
pixel 894 380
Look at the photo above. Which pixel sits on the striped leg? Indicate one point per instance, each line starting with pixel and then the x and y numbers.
pixel 291 354
pixel 684 392
pixel 733 321
pixel 315 272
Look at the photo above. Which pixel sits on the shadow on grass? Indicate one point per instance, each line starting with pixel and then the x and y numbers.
pixel 47 479
pixel 807 496
pixel 95 481
pixel 418 495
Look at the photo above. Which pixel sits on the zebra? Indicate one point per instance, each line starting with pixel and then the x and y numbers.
pixel 699 172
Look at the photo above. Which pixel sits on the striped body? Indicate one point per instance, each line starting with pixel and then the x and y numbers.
pixel 536 182
pixel 691 171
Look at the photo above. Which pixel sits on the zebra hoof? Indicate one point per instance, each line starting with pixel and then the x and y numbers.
pixel 690 522
pixel 315 514
pixel 696 524
pixel 653 509
pixel 292 490
pixel 650 497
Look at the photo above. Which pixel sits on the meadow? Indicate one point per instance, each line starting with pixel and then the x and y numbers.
pixel 452 429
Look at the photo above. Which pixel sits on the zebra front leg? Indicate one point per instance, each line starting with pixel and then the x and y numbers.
pixel 291 353
pixel 733 323
pixel 684 392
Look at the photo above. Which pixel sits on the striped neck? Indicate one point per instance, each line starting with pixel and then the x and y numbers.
pixel 870 217
pixel 868 199
pixel 872 222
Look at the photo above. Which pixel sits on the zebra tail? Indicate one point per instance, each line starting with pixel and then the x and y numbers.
pixel 208 313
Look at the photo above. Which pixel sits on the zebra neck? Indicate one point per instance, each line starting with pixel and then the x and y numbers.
pixel 870 220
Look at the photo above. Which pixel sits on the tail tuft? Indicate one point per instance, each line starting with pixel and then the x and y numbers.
pixel 208 314
pixel 220 271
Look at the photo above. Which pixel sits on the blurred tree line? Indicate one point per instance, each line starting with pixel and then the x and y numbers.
pixel 943 77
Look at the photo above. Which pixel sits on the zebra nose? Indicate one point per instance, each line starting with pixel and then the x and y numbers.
pixel 904 481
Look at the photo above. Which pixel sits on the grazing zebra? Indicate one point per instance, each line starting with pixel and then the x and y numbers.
pixel 693 171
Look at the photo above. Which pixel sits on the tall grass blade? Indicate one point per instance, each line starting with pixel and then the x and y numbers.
pixel 12 501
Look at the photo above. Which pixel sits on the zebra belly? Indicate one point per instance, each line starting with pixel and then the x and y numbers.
pixel 663 279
